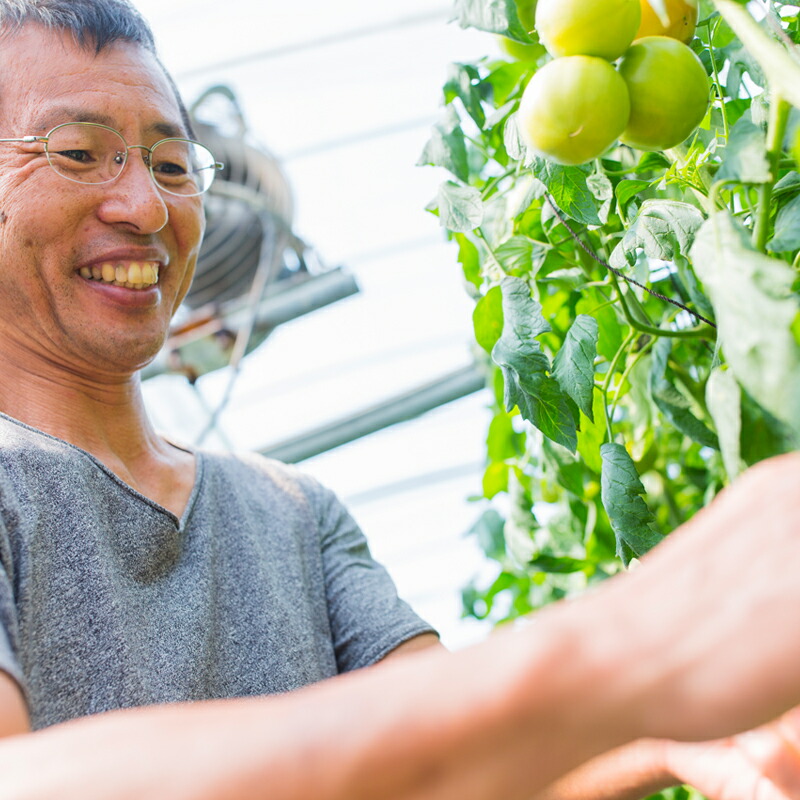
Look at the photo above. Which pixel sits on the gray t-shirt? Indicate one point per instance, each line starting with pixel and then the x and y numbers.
pixel 108 600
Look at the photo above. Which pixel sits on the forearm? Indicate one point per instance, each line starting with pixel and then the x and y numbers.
pixel 489 722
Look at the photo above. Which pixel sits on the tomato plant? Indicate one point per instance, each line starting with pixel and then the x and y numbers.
pixel 668 89
pixel 680 22
pixel 602 28
pixel 573 109
pixel 638 315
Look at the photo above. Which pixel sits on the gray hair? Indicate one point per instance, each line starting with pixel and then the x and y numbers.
pixel 93 23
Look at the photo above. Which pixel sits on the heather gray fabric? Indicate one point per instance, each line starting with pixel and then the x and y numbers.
pixel 108 600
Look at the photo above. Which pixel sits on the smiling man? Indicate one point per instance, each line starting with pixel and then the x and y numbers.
pixel 137 573
pixel 133 570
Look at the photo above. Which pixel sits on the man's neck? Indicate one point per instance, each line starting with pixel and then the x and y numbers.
pixel 104 415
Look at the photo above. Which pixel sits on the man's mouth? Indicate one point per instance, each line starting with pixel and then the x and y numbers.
pixel 131 275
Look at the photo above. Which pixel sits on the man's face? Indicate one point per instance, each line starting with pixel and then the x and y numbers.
pixel 54 232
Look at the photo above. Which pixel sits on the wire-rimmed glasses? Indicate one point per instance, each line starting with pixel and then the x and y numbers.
pixel 88 152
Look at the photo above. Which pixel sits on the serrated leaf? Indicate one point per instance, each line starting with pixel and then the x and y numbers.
pixel 494 16
pixel 724 400
pixel 663 229
pixel 787 229
pixel 567 467
pixel 573 366
pixel 755 308
pixel 603 191
pixel 525 367
pixel 460 207
pixel 745 157
pixel 628 189
pixel 671 402
pixel 461 83
pixel 569 188
pixel 447 147
pixel 487 318
pixel 513 142
pixel 515 254
pixel 621 492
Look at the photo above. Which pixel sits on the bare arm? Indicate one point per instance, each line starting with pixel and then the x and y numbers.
pixel 653 653
pixel 13 711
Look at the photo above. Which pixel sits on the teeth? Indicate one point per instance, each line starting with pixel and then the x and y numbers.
pixel 134 275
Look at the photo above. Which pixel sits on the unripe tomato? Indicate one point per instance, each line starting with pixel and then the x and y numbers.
pixel 668 90
pixel 682 20
pixel 603 28
pixel 573 109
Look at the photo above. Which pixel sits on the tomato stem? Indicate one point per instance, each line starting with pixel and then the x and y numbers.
pixel 778 119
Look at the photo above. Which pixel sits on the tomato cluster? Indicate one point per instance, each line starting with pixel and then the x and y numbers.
pixel 578 104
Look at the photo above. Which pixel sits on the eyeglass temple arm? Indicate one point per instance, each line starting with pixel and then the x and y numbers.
pixel 27 139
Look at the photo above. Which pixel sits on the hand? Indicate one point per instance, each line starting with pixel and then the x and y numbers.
pixel 709 623
pixel 763 764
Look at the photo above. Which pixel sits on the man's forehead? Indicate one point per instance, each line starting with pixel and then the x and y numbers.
pixel 53 79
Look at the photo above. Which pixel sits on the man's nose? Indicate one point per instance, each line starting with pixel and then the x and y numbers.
pixel 134 197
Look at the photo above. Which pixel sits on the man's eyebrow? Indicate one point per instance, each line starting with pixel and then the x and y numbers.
pixel 67 114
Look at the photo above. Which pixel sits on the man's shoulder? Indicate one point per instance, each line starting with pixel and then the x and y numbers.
pixel 250 473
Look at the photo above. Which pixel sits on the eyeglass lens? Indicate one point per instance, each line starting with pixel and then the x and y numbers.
pixel 89 153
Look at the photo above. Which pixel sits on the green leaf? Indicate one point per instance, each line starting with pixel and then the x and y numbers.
pixel 672 403
pixel 447 147
pixel 621 490
pixel 591 436
pixel 494 16
pixel 487 318
pixel 724 399
pixel 560 565
pixel 569 188
pixel 495 479
pixel 568 468
pixel 525 367
pixel 460 207
pixel 515 254
pixel 782 71
pixel 787 228
pixel 755 309
pixel 489 532
pixel 573 366
pixel 470 260
pixel 663 229
pixel 602 190
pixel 461 83
pixel 745 157
pixel 628 189
pixel 502 440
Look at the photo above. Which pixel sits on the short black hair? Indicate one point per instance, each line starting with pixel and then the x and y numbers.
pixel 94 24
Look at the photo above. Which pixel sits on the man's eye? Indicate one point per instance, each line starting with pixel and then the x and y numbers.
pixel 81 156
pixel 169 169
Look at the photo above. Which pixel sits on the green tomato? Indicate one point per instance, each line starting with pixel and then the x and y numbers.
pixel 603 28
pixel 573 109
pixel 669 90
